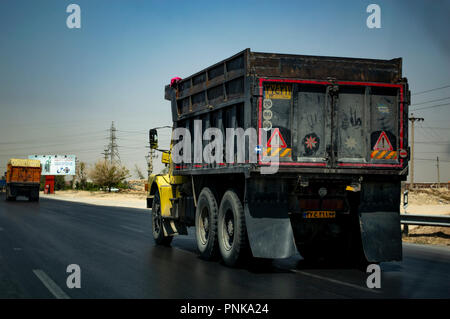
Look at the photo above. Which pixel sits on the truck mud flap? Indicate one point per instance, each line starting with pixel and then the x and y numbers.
pixel 381 236
pixel 268 225
pixel 379 220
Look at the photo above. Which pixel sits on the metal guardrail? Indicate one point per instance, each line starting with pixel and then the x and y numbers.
pixel 425 220
pixel 427 185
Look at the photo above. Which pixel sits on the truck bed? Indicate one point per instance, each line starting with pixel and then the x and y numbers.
pixel 331 114
pixel 23 171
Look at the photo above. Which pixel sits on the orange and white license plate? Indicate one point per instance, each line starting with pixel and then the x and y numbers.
pixel 319 214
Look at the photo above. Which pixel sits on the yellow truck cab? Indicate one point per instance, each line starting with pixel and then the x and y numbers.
pixel 162 191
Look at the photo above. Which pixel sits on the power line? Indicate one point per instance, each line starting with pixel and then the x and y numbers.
pixel 134 148
pixel 426 132
pixel 438 172
pixel 426 102
pixel 432 159
pixel 439 120
pixel 87 134
pixel 433 142
pixel 432 90
pixel 20 148
pixel 435 152
pixel 437 128
pixel 134 132
pixel 434 133
pixel 413 119
pixel 63 151
pixel 430 107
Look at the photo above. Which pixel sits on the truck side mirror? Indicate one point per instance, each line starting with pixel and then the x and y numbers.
pixel 165 158
pixel 153 137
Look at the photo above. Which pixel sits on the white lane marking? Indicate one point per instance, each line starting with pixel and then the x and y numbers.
pixel 17 249
pixel 50 284
pixel 131 228
pixel 336 281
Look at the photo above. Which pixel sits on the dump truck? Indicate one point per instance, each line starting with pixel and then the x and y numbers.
pixel 274 154
pixel 23 178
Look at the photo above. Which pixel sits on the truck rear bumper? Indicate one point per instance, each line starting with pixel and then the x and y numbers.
pixel 23 189
pixel 375 208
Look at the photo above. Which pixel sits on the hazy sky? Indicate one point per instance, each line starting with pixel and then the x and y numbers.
pixel 60 88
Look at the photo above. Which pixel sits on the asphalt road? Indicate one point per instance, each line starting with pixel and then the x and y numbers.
pixel 118 259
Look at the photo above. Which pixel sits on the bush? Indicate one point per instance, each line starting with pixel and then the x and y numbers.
pixel 91 187
pixel 108 175
pixel 60 183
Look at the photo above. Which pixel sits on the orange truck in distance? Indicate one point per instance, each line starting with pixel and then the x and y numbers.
pixel 23 178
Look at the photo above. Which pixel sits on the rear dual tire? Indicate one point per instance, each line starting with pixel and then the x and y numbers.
pixel 34 195
pixel 221 230
pixel 8 197
pixel 232 231
pixel 33 199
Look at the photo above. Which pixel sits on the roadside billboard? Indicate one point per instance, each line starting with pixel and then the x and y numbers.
pixel 56 164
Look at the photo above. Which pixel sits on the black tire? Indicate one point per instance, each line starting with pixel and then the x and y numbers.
pixel 34 195
pixel 157 226
pixel 357 256
pixel 9 198
pixel 232 231
pixel 33 199
pixel 206 216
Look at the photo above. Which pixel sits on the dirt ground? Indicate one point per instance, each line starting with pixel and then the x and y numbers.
pixel 133 199
pixel 424 201
pixel 428 202
pixel 428 235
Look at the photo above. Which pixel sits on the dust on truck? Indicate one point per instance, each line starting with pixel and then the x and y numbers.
pixel 340 126
pixel 23 179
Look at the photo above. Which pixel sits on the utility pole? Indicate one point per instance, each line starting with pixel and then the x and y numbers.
pixel 149 159
pixel 413 120
pixel 106 154
pixel 438 176
pixel 77 168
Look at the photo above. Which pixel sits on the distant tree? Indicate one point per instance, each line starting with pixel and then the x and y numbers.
pixel 60 182
pixel 108 175
pixel 81 175
pixel 42 184
pixel 138 172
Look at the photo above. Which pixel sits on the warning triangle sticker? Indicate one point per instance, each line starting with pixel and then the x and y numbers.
pixel 383 143
pixel 277 139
